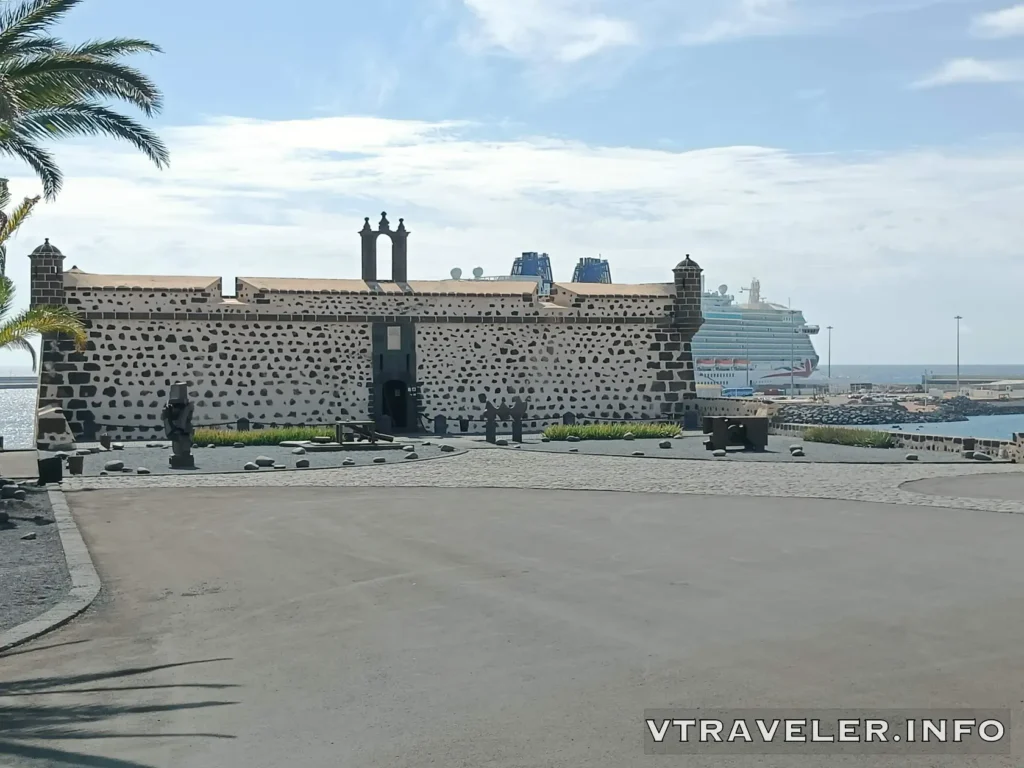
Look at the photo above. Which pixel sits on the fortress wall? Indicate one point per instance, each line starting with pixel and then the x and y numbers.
pixel 278 352
pixel 264 371
pixel 621 371
pixel 89 300
pixel 274 371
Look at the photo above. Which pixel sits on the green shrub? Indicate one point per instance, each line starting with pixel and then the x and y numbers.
pixel 863 438
pixel 610 431
pixel 268 436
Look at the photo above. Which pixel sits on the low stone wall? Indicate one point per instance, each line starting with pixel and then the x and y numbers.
pixel 733 407
pixel 998 449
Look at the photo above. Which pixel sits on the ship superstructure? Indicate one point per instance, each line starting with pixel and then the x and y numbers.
pixel 754 344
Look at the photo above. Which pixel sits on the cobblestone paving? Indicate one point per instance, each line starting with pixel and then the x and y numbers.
pixel 504 468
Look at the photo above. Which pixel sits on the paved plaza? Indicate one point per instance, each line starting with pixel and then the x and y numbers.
pixel 522 611
pixel 484 466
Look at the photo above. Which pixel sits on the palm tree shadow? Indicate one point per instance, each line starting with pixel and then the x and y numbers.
pixel 78 718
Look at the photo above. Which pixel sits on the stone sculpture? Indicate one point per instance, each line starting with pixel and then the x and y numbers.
pixel 177 419
pixel 491 423
pixel 518 413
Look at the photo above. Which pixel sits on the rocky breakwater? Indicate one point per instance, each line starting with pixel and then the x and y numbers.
pixel 955 409
pixel 857 415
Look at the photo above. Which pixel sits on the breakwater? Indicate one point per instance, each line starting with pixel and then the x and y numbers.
pixel 955 409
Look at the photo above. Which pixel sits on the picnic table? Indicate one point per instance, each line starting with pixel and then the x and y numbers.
pixel 366 429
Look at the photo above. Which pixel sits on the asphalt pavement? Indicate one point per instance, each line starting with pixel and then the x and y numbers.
pixel 366 627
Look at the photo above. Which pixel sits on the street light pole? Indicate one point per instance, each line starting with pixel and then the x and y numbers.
pixel 830 352
pixel 958 318
pixel 792 353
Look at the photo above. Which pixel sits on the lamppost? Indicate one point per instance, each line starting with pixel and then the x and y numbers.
pixel 958 318
pixel 830 352
pixel 792 353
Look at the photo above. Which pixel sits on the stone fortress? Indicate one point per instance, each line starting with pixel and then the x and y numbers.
pixel 399 352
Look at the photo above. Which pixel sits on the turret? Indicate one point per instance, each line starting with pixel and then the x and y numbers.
pixel 686 310
pixel 46 276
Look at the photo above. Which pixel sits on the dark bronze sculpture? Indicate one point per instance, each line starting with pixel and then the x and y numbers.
pixel 177 419
pixel 518 413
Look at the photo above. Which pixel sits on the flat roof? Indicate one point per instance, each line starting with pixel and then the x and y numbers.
pixel 75 278
pixel 653 290
pixel 423 287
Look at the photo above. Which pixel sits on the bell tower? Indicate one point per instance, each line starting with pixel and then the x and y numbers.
pixel 399 249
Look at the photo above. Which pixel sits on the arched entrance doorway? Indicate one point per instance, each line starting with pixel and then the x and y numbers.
pixel 395 395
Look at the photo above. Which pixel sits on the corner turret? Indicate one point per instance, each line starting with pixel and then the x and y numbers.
pixel 46 276
pixel 686 307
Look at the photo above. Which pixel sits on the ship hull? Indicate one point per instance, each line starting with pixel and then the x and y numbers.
pixel 760 374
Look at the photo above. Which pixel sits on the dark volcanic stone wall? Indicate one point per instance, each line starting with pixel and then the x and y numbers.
pixel 291 357
pixel 606 371
pixel 268 372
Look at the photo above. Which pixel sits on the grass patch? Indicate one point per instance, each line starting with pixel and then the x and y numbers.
pixel 269 436
pixel 610 431
pixel 862 438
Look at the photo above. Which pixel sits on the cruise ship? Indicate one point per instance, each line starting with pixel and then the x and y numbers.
pixel 755 344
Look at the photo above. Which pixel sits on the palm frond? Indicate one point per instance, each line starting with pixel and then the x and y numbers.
pixel 29 19
pixel 16 218
pixel 62 77
pixel 6 295
pixel 40 320
pixel 114 47
pixel 10 99
pixel 89 120
pixel 37 158
pixel 35 45
pixel 5 194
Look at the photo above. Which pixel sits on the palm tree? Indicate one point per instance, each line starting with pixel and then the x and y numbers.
pixel 10 224
pixel 50 90
pixel 16 331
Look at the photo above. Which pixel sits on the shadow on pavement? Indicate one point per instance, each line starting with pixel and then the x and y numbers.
pixel 36 648
pixel 78 719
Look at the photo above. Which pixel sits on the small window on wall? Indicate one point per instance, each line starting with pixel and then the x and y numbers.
pixel 394 337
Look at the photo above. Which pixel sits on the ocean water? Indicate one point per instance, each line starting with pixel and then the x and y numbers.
pixel 16 407
pixel 990 427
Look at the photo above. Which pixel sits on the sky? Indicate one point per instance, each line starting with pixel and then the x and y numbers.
pixel 863 158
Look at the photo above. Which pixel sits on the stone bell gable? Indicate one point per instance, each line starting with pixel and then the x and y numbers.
pixel 316 350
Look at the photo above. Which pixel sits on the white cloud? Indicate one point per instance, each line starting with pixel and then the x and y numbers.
pixel 743 18
pixel 882 245
pixel 960 71
pixel 1007 22
pixel 568 31
pixel 562 30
